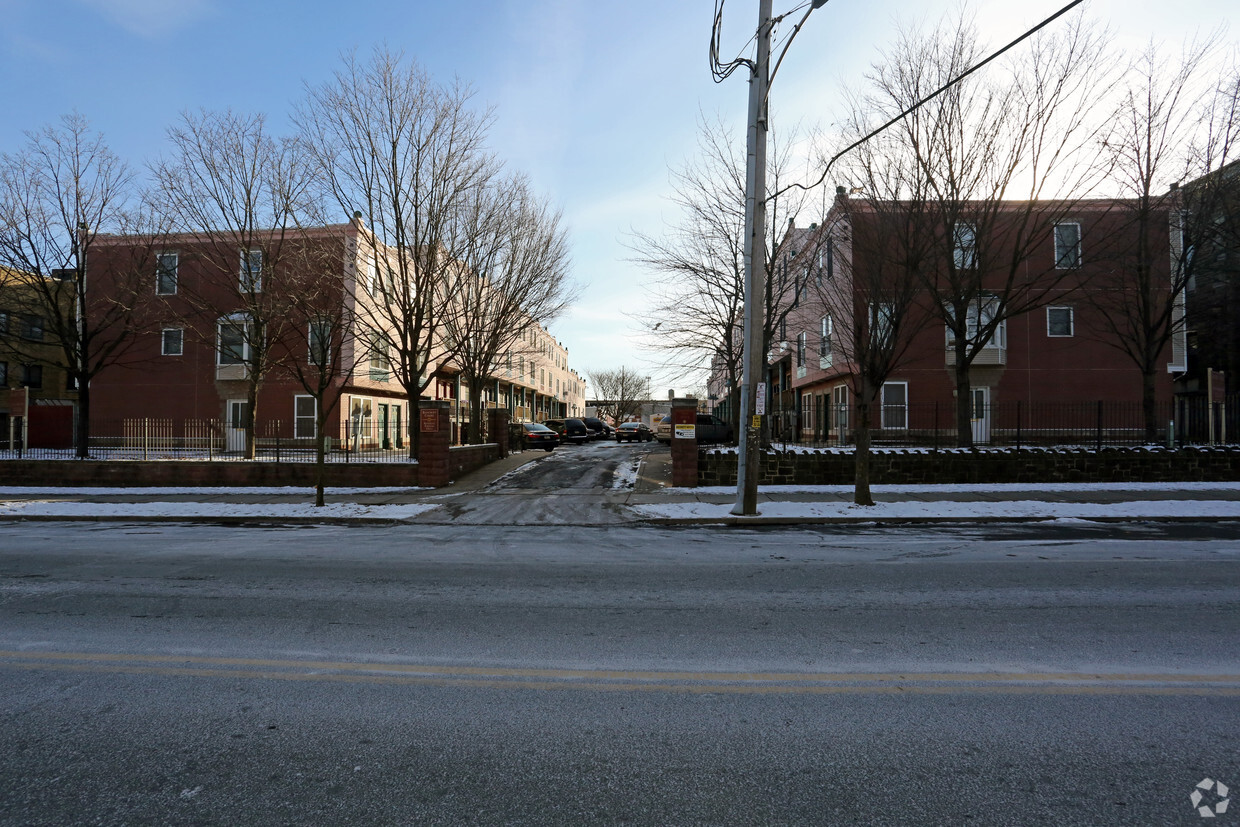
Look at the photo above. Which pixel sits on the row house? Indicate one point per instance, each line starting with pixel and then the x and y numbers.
pixel 190 373
pixel 1060 354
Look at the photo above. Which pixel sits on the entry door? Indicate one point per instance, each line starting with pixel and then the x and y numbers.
pixel 384 441
pixel 981 415
pixel 234 428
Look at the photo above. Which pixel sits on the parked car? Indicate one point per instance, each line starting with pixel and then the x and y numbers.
pixel 633 432
pixel 539 436
pixel 599 428
pixel 663 430
pixel 710 429
pixel 570 430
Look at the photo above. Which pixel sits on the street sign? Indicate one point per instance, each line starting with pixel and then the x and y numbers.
pixel 760 400
pixel 757 423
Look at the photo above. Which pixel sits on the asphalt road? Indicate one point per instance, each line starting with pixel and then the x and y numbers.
pixel 569 675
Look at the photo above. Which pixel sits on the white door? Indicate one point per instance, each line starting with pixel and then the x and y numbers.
pixel 981 415
pixel 234 428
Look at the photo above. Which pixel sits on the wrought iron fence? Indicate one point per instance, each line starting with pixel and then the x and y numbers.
pixel 1185 421
pixel 276 440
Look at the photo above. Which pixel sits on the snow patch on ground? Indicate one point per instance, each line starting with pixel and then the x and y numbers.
pixel 199 511
pixel 286 490
pixel 1024 509
pixel 972 488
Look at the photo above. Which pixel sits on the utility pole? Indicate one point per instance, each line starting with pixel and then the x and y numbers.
pixel 749 459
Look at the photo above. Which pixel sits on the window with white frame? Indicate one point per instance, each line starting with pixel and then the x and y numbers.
pixel 894 404
pixel 802 346
pixel 305 420
pixel 251 271
pixel 1059 322
pixel 1067 245
pixel 234 341
pixel 320 343
pixel 380 359
pixel 172 341
pixel 964 247
pixel 824 340
pixel 166 273
pixel 980 315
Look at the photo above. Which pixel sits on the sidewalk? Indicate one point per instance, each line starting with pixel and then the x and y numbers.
pixel 649 500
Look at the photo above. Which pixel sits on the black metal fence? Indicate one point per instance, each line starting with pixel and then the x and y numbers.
pixel 215 439
pixel 1185 421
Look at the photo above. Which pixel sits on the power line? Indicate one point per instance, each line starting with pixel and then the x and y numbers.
pixel 929 98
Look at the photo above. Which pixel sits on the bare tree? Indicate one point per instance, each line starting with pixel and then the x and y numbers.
pixel 1176 121
pixel 620 392
pixel 515 274
pixel 986 156
pixel 700 287
pixel 404 154
pixel 327 356
pixel 58 195
pixel 237 196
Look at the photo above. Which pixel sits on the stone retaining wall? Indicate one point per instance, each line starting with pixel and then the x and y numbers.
pixel 985 466
pixel 465 458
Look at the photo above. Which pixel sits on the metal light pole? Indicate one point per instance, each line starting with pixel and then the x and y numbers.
pixel 748 461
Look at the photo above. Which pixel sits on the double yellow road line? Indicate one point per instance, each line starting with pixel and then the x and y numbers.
pixel 610 680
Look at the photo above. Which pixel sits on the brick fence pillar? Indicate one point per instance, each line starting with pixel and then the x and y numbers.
pixel 498 426
pixel 684 443
pixel 435 434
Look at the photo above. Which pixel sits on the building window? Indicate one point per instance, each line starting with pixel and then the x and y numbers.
pixel 234 341
pixel 4 323
pixel 980 315
pixel 964 250
pixel 894 403
pixel 802 346
pixel 172 341
pixel 839 405
pixel 304 418
pixel 32 376
pixel 32 328
pixel 1059 321
pixel 4 375
pixel 320 340
pixel 166 273
pixel 251 271
pixel 1067 245
pixel 380 363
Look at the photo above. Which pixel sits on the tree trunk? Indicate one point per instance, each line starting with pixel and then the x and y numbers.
pixel 82 426
pixel 415 424
pixel 861 480
pixel 475 413
pixel 964 402
pixel 251 420
pixel 1149 407
pixel 320 453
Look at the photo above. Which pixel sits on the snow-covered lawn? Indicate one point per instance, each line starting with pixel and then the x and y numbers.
pixel 1022 509
pixel 219 510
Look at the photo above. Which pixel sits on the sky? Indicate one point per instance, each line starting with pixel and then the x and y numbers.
pixel 595 101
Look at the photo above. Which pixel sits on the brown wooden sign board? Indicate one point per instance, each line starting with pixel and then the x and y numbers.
pixel 430 421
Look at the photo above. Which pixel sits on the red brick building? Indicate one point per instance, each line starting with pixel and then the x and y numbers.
pixel 1043 369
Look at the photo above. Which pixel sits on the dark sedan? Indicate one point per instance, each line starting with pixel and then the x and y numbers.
pixel 633 432
pixel 539 436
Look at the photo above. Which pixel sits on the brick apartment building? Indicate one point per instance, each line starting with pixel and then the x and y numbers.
pixel 189 371
pixel 1061 352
